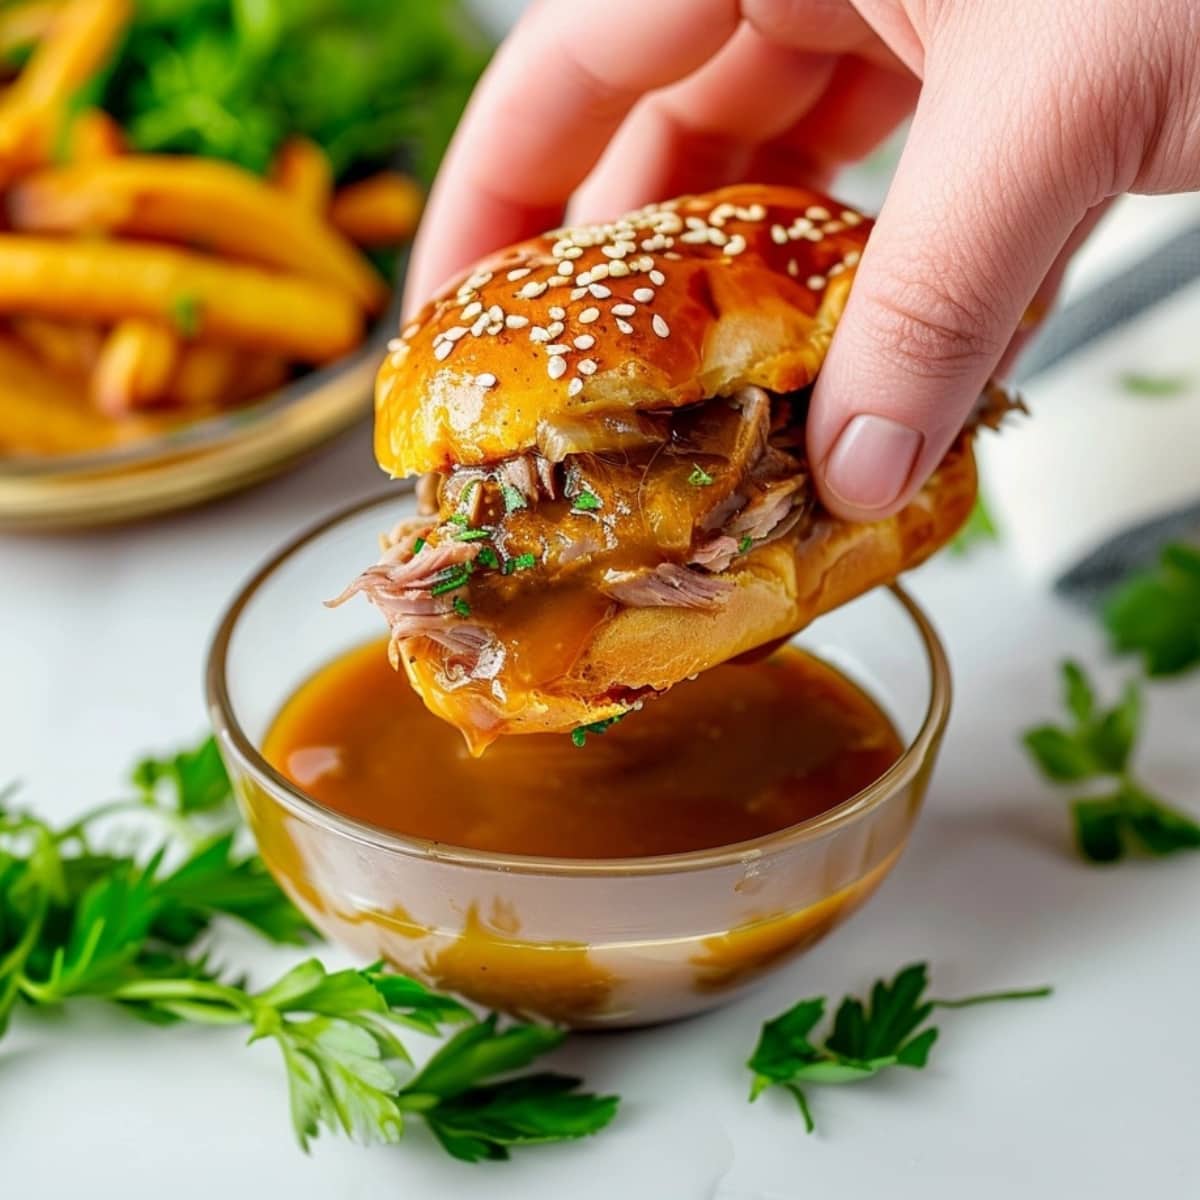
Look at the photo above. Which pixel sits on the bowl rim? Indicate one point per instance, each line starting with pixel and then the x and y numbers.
pixel 233 739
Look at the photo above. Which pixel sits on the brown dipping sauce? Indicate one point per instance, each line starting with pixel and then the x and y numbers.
pixel 737 753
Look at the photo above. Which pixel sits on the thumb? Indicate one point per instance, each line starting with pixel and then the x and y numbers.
pixel 977 212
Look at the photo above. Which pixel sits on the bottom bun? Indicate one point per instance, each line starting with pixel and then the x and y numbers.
pixel 779 588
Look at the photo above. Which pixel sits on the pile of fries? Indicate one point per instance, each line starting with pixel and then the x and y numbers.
pixel 138 290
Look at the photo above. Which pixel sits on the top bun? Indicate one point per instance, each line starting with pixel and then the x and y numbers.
pixel 675 303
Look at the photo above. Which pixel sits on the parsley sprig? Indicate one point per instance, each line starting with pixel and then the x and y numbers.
pixel 1156 613
pixel 80 920
pixel 1097 745
pixel 867 1038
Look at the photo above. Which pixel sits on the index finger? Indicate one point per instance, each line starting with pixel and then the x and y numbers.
pixel 542 114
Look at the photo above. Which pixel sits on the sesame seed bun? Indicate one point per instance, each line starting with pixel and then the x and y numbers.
pixel 673 304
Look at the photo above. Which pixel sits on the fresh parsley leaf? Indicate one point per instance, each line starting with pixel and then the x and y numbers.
pixel 487 558
pixel 1156 613
pixel 461 607
pixel 745 543
pixel 586 501
pixel 195 780
pixel 580 736
pixel 979 527
pixel 699 477
pixel 451 579
pixel 522 562
pixel 1156 387
pixel 514 499
pixel 187 314
pixel 1098 745
pixel 866 1037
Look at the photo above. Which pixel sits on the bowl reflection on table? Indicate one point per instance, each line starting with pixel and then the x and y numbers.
pixel 585 942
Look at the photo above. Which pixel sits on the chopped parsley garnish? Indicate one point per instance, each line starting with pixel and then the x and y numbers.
pixel 472 535
pixel 1097 746
pixel 579 736
pixel 487 558
pixel 513 498
pixel 523 562
pixel 745 544
pixel 586 502
pixel 459 519
pixel 186 314
pixel 419 545
pixel 1156 613
pixel 699 477
pixel 451 579
pixel 468 492
pixel 1156 387
pixel 866 1037
pixel 461 607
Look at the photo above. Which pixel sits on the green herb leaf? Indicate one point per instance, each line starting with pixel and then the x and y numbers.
pixel 1156 387
pixel 195 780
pixel 579 736
pixel 514 500
pixel 866 1037
pixel 472 535
pixel 461 607
pixel 745 543
pixel 187 314
pixel 979 527
pixel 586 501
pixel 522 562
pixel 1156 613
pixel 451 579
pixel 1059 754
pixel 487 558
pixel 419 545
pixel 699 477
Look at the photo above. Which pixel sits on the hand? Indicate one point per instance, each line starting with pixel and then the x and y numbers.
pixel 1028 115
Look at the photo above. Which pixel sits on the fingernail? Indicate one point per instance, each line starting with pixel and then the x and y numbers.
pixel 871 462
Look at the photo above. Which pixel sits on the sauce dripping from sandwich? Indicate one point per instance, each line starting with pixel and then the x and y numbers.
pixel 738 753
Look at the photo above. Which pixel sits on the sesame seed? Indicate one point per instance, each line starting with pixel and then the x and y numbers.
pixel 454 333
pixel 557 348
pixel 717 238
pixel 575 387
pixel 532 289
pixel 673 256
pixel 495 327
pixel 836 269
pixel 735 245
pixel 614 251
pixel 395 345
pixel 815 235
pixel 696 223
pixel 834 226
pixel 442 351
pixel 586 366
pixel 486 380
pixel 573 252
pixel 478 281
pixel 557 281
pixel 516 322
pixel 793 268
pixel 538 334
pixel 589 315
pixel 566 267
pixel 472 310
pixel 624 310
pixel 657 278
pixel 561 247
pixel 556 368
pixel 481 323
pixel 644 295
pixel 602 271
pixel 817 212
pixel 557 314
pixel 852 258
pixel 660 326
pixel 411 330
pixel 578 293
pixel 695 237
pixel 617 269
pixel 779 235
pixel 600 291
pixel 755 212
pixel 555 328
pixel 645 263
pixel 496 313
pixel 624 326
pixel 519 273
pixel 851 217
pixel 816 282
pixel 584 341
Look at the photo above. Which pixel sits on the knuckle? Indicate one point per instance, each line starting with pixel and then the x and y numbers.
pixel 929 328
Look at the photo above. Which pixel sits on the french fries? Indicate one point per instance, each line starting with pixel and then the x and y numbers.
pixel 135 366
pixel 381 210
pixel 93 135
pixel 301 169
pixel 208 376
pixel 108 281
pixel 78 41
pixel 66 347
pixel 200 202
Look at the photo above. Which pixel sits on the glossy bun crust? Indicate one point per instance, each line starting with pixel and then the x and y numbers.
pixel 675 303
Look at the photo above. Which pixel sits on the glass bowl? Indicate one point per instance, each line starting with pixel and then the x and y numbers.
pixel 591 943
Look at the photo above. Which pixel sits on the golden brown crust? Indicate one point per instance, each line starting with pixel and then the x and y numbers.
pixel 779 588
pixel 471 379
